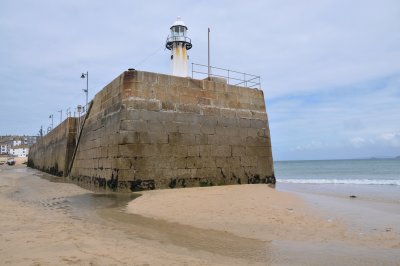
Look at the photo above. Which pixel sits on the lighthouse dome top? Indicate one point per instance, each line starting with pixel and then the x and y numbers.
pixel 178 22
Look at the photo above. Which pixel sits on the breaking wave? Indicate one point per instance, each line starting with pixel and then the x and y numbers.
pixel 393 182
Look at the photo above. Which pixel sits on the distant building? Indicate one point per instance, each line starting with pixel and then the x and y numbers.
pixel 17 142
pixel 20 151
pixel 8 142
pixel 29 140
pixel 4 148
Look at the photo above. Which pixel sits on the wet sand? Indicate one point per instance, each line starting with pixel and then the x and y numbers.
pixel 54 223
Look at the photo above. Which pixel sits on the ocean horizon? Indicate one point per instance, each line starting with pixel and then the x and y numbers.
pixel 373 171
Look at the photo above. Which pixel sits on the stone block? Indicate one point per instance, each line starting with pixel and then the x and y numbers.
pixel 230 140
pixel 255 123
pixel 188 99
pixel 244 122
pixel 177 162
pixel 257 151
pixel 155 126
pixel 208 94
pixel 204 129
pixel 125 137
pixel 212 139
pixel 226 112
pixel 227 131
pixel 248 160
pixel 252 132
pixel 189 128
pixel 265 165
pixel 233 161
pixel 227 121
pixel 187 118
pixel 204 101
pixel 208 85
pixel 171 126
pixel 153 137
pixel 244 114
pixel 210 111
pixel 220 161
pixel 264 133
pixel 126 174
pixel 201 139
pixel 123 163
pixel 221 150
pixel 179 82
pixel 188 108
pixel 220 87
pixel 134 125
pixel 257 141
pixel 181 138
pixel 204 150
pixel 179 150
pixel 192 162
pixel 209 121
pixel 193 150
pixel 238 150
pixel 153 105
pixel 168 105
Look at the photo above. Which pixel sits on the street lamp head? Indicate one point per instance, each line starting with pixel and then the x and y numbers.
pixel 83 76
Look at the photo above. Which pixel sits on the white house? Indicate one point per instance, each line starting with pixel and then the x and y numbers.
pixel 20 151
pixel 17 142
pixel 4 148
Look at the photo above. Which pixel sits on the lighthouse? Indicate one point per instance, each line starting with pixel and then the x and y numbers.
pixel 179 43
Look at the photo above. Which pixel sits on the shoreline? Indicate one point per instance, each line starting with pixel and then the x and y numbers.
pixel 60 223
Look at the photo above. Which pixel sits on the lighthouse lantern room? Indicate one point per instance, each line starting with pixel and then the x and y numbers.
pixel 179 43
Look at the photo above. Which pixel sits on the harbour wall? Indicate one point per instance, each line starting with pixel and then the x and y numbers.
pixel 53 152
pixel 150 131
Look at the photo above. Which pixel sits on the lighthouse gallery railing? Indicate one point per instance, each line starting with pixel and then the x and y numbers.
pixel 232 77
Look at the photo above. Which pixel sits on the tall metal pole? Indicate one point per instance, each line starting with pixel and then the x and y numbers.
pixel 51 116
pixel 209 67
pixel 87 89
pixel 87 86
pixel 60 116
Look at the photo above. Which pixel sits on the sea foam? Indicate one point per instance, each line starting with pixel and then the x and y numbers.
pixel 393 182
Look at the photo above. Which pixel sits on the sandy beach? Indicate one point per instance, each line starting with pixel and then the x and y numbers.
pixel 46 222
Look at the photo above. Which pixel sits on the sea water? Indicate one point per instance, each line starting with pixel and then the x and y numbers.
pixel 366 193
pixel 357 172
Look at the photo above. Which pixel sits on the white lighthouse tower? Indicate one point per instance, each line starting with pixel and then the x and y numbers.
pixel 178 43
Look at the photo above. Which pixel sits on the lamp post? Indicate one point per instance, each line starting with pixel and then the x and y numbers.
pixel 51 116
pixel 87 86
pixel 60 115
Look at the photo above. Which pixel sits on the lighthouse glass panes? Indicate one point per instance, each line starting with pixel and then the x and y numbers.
pixel 178 31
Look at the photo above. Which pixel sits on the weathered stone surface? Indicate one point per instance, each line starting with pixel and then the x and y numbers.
pixel 53 152
pixel 150 131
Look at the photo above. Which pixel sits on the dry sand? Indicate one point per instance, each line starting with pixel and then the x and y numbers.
pixel 50 223
pixel 253 211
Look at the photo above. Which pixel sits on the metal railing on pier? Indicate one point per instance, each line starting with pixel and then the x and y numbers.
pixel 232 77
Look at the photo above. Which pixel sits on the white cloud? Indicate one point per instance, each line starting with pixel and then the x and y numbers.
pixel 391 139
pixel 359 142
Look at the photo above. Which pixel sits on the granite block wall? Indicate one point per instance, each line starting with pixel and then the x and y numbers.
pixel 53 152
pixel 148 130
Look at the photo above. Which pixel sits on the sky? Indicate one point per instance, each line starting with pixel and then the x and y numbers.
pixel 330 70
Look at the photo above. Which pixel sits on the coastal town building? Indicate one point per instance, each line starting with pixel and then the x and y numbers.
pixel 17 142
pixel 20 151
pixel 4 148
pixel 16 145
